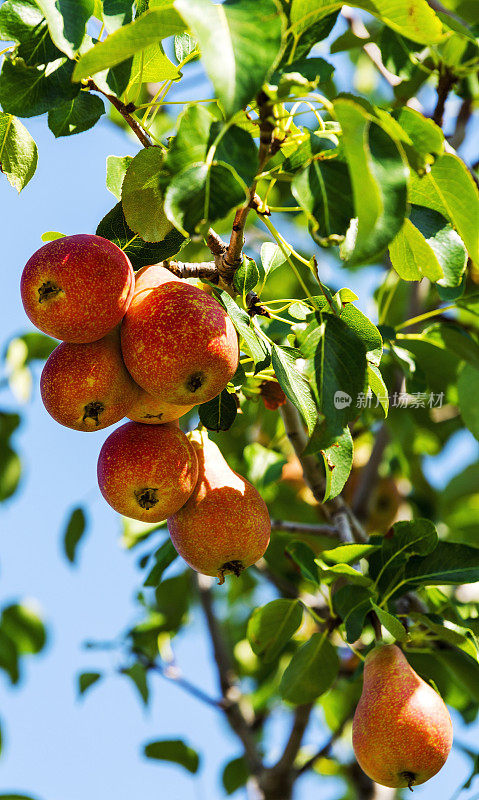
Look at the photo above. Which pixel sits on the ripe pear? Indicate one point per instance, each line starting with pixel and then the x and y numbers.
pixel 225 526
pixel 151 411
pixel 147 472
pixel 87 386
pixel 178 343
pixel 402 731
pixel 77 288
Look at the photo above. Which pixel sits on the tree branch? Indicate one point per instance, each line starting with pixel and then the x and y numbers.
pixel 126 112
pixel 343 519
pixel 227 682
pixel 204 269
pixel 171 673
pixel 444 86
pixel 369 475
pixel 304 529
pixel 324 751
pixel 301 718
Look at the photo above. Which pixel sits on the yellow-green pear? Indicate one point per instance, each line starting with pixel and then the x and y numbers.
pixel 402 731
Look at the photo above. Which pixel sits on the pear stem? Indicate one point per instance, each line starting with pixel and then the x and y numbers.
pixel 410 778
pixel 376 625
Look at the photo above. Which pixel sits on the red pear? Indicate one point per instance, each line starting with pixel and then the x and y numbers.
pixel 151 411
pixel 178 343
pixel 147 472
pixel 77 288
pixel 402 731
pixel 225 526
pixel 87 386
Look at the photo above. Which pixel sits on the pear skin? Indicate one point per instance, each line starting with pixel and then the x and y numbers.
pixel 147 472
pixel 402 731
pixel 178 343
pixel 225 526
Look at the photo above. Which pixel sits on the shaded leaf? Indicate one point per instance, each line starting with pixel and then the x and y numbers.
pixel 75 116
pixel 311 671
pixel 219 413
pixel 139 676
pixel 164 556
pixel 86 680
pixel 270 627
pixel 142 195
pixel 67 22
pixel 116 167
pixel 352 604
pixel 174 750
pixel 235 775
pixel 75 529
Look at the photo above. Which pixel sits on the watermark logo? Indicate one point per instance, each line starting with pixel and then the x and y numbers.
pixel 342 400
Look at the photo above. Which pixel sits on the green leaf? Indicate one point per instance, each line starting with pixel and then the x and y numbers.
pixel 444 336
pixel 164 556
pixel 236 69
pixel 202 194
pixel 148 29
pixel 352 603
pixel 272 257
pixel 246 277
pixel 310 672
pixel 190 145
pixel 428 246
pixel 138 675
pixel 348 553
pixel 67 22
pixel 219 413
pixel 10 471
pixel 303 556
pixel 117 13
pixel 76 116
pixel 379 179
pixel 22 22
pixel 24 627
pixel 142 195
pixel 391 623
pixel 309 32
pixel 18 152
pixel 174 750
pixel 426 137
pixel 468 387
pixel 264 465
pixel 336 366
pixel 449 189
pixel 294 385
pixel 235 775
pixel 237 149
pixel 75 529
pixel 116 167
pixel 29 91
pixel 271 627
pixel 324 192
pixel 338 461
pixel 114 227
pixel 449 563
pixel 151 65
pixel 364 330
pixel 9 657
pixel 184 46
pixel 416 19
pixel 255 346
pixel 87 679
pixel 298 78
pixel 377 385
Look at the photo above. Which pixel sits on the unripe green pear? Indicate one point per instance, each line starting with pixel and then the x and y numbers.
pixel 147 472
pixel 402 731
pixel 225 526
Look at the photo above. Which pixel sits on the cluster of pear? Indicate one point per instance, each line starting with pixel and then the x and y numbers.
pixel 147 347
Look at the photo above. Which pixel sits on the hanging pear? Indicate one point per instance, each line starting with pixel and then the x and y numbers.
pixel 402 731
pixel 224 527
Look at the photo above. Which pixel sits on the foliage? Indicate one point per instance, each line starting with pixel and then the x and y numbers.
pixel 329 413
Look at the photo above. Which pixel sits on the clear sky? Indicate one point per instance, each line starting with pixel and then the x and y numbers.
pixel 56 747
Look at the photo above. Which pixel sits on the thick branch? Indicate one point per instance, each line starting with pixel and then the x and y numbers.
pixel 300 723
pixel 324 751
pixel 204 269
pixel 229 690
pixel 125 111
pixel 444 86
pixel 339 513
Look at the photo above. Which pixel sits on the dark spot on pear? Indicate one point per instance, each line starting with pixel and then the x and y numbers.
pixel 146 498
pixel 47 291
pixel 93 411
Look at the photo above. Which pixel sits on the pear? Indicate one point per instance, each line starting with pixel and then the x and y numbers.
pixel 402 731
pixel 224 527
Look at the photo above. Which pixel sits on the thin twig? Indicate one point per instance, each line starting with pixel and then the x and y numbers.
pixel 304 528
pixel 444 86
pixel 171 673
pixel 227 682
pixel 369 475
pixel 126 111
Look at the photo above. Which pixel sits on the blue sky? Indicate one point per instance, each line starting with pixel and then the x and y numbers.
pixel 57 748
